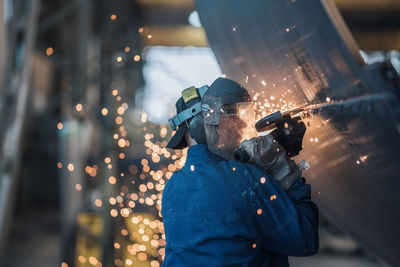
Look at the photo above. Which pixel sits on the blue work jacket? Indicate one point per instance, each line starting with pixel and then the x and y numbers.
pixel 226 213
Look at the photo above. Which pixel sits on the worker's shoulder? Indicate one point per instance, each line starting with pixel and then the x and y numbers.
pixel 246 169
pixel 175 176
pixel 178 179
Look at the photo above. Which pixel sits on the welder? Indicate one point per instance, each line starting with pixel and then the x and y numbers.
pixel 220 212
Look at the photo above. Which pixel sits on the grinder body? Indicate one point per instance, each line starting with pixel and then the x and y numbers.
pixel 287 129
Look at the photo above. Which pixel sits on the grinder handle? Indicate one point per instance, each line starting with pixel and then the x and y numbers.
pixel 241 155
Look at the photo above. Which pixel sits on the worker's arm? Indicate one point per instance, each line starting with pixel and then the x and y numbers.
pixel 285 222
pixel 288 221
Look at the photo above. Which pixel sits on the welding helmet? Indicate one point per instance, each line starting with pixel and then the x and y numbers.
pixel 188 109
pixel 228 117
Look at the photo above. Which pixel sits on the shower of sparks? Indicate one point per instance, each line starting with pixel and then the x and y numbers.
pixel 149 177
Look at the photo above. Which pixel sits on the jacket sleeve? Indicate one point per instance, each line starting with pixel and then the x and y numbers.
pixel 285 222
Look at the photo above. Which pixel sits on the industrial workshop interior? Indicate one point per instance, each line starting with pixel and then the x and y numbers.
pixel 88 112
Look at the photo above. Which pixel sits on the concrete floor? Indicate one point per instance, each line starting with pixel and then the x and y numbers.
pixel 335 260
pixel 34 241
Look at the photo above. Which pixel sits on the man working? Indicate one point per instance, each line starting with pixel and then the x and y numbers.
pixel 218 212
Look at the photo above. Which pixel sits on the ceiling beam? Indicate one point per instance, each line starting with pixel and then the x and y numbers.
pixel 368 6
pixel 170 29
pixel 176 36
pixel 378 40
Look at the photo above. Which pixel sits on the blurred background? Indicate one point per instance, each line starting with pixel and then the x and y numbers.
pixel 86 90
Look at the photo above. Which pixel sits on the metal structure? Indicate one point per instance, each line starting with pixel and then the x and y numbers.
pixel 300 54
pixel 19 38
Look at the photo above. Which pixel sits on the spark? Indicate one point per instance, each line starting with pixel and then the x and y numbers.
pixel 81 259
pixel 112 180
pixel 78 107
pixel 104 111
pixel 49 51
pixel 71 167
pixel 98 202
pixel 113 213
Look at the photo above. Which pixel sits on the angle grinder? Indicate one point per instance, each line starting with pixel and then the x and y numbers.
pixel 287 129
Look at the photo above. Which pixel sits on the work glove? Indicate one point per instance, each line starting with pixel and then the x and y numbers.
pixel 271 156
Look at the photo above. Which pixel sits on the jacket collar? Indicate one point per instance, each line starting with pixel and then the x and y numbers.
pixel 201 152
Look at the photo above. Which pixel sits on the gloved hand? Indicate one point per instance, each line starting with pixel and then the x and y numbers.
pixel 271 156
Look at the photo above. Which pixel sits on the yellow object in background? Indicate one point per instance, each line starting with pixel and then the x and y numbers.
pixel 88 235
